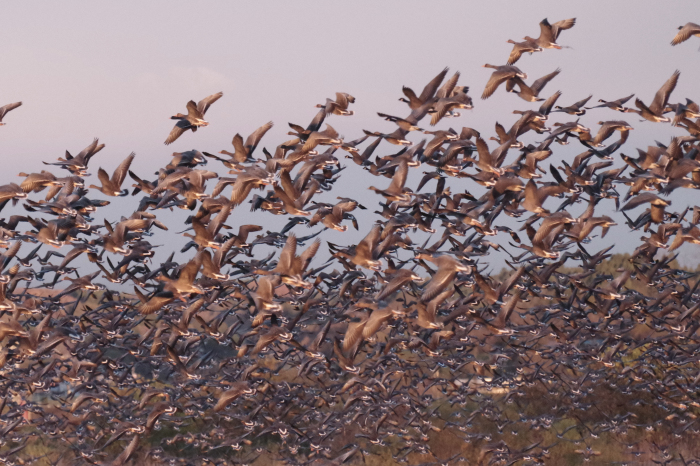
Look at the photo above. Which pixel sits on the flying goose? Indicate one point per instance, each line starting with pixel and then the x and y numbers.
pixel 291 267
pixel 154 302
pixel 608 128
pixel 396 190
pixel 238 390
pixel 78 165
pixel 416 102
pixel 293 200
pixel 613 104
pixel 499 76
pixel 112 186
pixel 246 180
pixel 184 284
pixel 6 108
pixel 366 251
pixel 549 33
pixel 575 108
pixel 244 152
pixel 194 117
pixel 531 93
pixel 326 137
pixel 331 216
pixel 534 197
pixel 686 32
pixel 529 45
pixel 339 106
pixel 447 269
pixel 655 111
pixel 684 112
pixel 546 107
pixel 400 122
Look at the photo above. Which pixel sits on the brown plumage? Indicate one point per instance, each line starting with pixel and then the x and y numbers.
pixel 396 191
pixel 531 93
pixel 272 335
pixel 194 118
pixel 577 108
pixel 448 267
pixel 397 281
pixel 499 76
pixel 238 390
pixel 416 102
pixel 549 33
pixel 608 128
pixel 155 302
pixel 686 32
pixel 244 152
pixel 534 197
pixel 613 104
pixel 112 186
pixel 251 177
pixel 529 45
pixel 643 199
pixel 7 108
pixel 655 111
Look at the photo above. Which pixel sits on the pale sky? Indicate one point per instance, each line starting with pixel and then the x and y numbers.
pixel 117 71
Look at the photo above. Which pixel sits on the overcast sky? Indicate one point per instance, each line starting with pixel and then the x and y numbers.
pixel 117 71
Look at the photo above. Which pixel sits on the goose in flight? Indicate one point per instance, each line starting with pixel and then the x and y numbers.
pixel 194 117
pixel 655 111
pixel 686 32
pixel 498 77
pixel 6 108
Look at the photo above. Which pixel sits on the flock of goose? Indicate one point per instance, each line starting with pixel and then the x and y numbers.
pixel 391 351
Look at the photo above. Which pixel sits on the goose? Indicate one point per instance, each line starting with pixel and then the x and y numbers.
pixel 339 106
pixel 491 161
pixel 498 77
pixel 366 252
pixel 398 137
pixel 326 137
pixel 244 152
pixel 331 216
pixel 686 32
pixel 238 390
pixel 274 334
pixel 446 106
pixel 535 197
pixel 248 179
pixel 684 112
pixel 112 186
pixel 400 122
pixel 397 281
pixel 546 107
pixel 576 108
pixel 531 93
pixel 189 159
pixel 7 108
pixel 416 102
pixel 396 190
pixel 549 33
pixel 184 284
pixel 264 299
pixel 529 45
pixel 613 104
pixel 194 117
pixel 447 269
pixel 293 200
pixel 655 111
pixel 78 165
pixel 291 267
pixel 608 128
